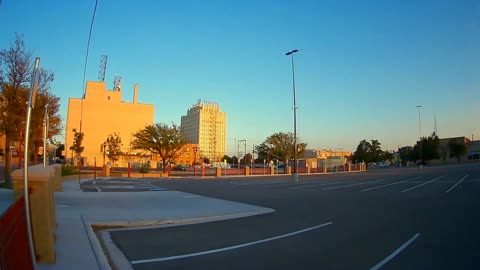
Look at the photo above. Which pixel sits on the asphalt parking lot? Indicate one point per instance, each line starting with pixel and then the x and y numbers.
pixel 381 219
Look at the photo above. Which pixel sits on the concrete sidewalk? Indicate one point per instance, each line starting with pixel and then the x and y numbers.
pixel 77 246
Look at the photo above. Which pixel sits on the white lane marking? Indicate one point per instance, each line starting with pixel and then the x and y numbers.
pixel 231 247
pixel 314 185
pixel 352 185
pixel 391 184
pixel 395 253
pixel 95 186
pixel 422 184
pixel 465 177
pixel 256 183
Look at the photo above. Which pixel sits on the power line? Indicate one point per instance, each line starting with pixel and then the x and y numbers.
pixel 86 61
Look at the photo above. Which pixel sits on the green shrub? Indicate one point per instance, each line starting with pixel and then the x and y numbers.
pixel 68 170
pixel 144 168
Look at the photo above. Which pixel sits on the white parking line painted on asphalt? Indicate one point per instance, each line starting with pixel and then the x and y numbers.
pixel 314 185
pixel 422 184
pixel 231 247
pixel 192 196
pixel 256 183
pixel 352 185
pixel 395 253
pixel 391 184
pixel 460 181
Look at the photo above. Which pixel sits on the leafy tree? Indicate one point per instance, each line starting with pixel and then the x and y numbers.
pixel 385 155
pixel 114 146
pixel 38 117
pixel 77 147
pixel 234 160
pixel 443 152
pixel 429 147
pixel 375 151
pixel 227 158
pixel 457 149
pixel 206 160
pixel 15 76
pixel 406 153
pixel 280 146
pixel 15 66
pixel 362 153
pixel 160 139
pixel 247 158
pixel 370 152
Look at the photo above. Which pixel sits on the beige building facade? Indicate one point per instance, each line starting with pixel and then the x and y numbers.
pixel 104 113
pixel 205 125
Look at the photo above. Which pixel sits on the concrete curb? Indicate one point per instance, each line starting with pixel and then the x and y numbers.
pixel 100 256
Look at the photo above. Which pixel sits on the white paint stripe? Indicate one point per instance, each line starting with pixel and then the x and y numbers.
pixel 391 184
pixel 192 196
pixel 256 183
pixel 457 183
pixel 395 253
pixel 231 247
pixel 313 185
pixel 422 184
pixel 352 185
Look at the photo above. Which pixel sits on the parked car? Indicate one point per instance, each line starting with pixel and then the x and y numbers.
pixel 179 168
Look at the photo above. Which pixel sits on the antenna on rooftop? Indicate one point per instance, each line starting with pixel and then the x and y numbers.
pixel 103 68
pixel 117 83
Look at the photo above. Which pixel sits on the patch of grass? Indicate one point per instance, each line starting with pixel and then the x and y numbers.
pixel 68 170
pixel 5 185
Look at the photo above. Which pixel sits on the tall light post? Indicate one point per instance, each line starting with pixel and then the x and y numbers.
pixel 419 135
pixel 295 173
pixel 104 146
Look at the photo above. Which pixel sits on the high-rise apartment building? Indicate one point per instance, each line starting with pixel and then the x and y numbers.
pixel 205 125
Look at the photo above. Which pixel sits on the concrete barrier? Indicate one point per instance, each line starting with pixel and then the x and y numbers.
pixel 106 171
pixel 57 179
pixel 42 208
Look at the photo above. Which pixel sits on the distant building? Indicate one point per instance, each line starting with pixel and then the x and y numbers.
pixel 473 148
pixel 326 157
pixel 205 125
pixel 105 113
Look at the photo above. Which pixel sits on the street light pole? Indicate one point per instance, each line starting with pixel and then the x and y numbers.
pixel 419 135
pixel 295 173
pixel 104 146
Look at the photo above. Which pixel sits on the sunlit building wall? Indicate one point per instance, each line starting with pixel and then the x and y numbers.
pixel 104 113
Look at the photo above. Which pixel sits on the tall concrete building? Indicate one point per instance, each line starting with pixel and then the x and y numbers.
pixel 205 125
pixel 104 113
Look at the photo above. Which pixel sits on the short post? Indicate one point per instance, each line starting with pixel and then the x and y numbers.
pixel 203 169
pixel 168 169
pixel 128 171
pixel 264 161
pixel 247 171
pixel 94 168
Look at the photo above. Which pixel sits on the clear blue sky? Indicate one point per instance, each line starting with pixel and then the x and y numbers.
pixel 362 68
